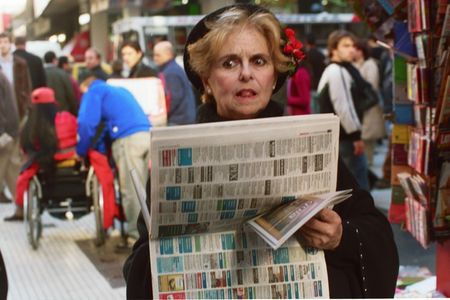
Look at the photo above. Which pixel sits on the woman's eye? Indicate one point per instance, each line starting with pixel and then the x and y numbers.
pixel 259 61
pixel 229 63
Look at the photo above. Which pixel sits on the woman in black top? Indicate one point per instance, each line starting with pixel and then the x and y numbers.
pixel 132 56
pixel 233 57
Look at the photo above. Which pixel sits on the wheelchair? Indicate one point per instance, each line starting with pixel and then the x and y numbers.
pixel 68 192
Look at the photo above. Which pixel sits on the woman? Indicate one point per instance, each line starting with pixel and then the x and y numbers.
pixel 373 127
pixel 132 56
pixel 233 56
pixel 44 134
pixel 299 92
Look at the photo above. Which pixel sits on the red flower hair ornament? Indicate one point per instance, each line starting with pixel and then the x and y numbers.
pixel 293 50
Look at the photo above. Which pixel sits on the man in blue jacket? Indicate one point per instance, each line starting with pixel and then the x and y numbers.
pixel 178 89
pixel 129 130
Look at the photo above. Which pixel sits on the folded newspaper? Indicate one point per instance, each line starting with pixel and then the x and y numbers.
pixel 208 180
pixel 280 223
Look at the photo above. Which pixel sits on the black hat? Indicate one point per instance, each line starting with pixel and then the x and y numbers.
pixel 200 30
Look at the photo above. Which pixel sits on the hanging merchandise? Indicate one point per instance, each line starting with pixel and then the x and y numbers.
pixel 420 151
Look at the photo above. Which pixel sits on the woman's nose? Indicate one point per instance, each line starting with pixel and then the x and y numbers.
pixel 246 72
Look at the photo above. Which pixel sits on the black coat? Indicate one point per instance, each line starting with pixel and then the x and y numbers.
pixel 142 70
pixel 99 73
pixel 364 265
pixel 35 67
pixel 3 279
pixel 9 115
pixel 316 64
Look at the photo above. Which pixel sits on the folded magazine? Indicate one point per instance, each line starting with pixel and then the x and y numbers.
pixel 280 223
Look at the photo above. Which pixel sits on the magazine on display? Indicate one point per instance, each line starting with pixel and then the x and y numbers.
pixel 209 179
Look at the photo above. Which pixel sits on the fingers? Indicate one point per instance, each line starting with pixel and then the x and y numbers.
pixel 324 231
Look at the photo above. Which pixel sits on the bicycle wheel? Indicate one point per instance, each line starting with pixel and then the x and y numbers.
pixel 97 201
pixel 32 218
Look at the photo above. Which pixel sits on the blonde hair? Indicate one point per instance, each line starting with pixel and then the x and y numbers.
pixel 203 52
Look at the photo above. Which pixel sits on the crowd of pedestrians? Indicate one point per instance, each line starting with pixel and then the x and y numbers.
pixel 34 93
pixel 336 84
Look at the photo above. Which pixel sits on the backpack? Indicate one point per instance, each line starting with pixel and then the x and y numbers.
pixel 364 96
pixel 66 132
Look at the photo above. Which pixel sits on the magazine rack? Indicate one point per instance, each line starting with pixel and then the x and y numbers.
pixel 420 148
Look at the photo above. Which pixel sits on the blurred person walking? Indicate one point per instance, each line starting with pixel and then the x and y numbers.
pixel 315 60
pixel 16 71
pixel 299 92
pixel 385 58
pixel 385 61
pixel 59 81
pixel 93 60
pixel 335 89
pixel 64 64
pixel 373 127
pixel 35 65
pixel 117 69
pixel 133 57
pixel 9 132
pixel 178 89
pixel 127 126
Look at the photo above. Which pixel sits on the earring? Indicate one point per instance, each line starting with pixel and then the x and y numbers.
pixel 208 90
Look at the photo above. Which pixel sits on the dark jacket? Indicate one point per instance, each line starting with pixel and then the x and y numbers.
pixel 59 81
pixel 22 85
pixel 316 62
pixel 9 116
pixel 178 89
pixel 364 265
pixel 142 70
pixel 35 67
pixel 3 279
pixel 99 73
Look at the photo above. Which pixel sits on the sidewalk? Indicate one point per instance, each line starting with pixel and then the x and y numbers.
pixel 58 269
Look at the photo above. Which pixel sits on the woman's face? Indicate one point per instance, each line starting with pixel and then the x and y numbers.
pixel 242 77
pixel 130 56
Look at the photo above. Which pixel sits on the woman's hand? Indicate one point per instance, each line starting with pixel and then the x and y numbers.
pixel 359 147
pixel 324 231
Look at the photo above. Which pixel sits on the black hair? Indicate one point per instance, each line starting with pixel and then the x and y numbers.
pixel 49 56
pixel 62 60
pixel 133 44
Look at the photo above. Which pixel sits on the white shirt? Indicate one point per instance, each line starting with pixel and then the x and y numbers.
pixel 339 83
pixel 7 67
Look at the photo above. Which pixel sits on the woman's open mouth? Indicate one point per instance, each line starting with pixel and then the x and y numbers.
pixel 246 94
